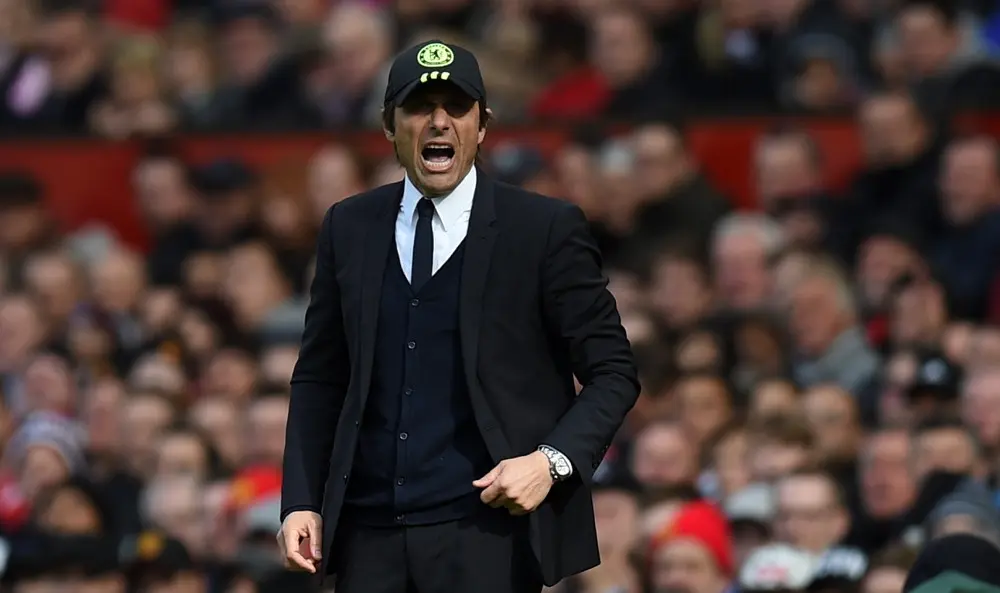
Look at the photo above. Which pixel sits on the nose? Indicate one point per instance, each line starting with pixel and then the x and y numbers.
pixel 440 120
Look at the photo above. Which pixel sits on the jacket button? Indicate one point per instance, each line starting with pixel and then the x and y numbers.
pixel 345 477
pixel 403 436
pixel 411 345
pixel 356 423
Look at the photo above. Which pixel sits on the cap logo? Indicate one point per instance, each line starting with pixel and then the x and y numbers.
pixel 435 55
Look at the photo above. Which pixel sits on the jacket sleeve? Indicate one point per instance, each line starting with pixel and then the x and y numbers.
pixel 581 311
pixel 318 386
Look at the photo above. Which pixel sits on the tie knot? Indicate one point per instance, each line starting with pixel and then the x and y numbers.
pixel 425 208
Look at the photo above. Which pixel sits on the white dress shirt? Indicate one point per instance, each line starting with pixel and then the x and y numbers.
pixel 449 225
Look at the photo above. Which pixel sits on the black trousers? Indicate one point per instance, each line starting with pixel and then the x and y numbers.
pixel 486 553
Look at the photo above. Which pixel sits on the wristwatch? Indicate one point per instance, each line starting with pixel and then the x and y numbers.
pixel 559 466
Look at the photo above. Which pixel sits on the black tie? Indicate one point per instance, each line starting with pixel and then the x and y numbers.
pixel 423 245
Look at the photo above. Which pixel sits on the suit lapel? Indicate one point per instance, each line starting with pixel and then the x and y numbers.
pixel 378 240
pixel 479 243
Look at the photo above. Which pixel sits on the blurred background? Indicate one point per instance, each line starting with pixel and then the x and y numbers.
pixel 798 202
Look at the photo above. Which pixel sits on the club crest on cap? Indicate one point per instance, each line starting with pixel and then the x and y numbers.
pixel 435 55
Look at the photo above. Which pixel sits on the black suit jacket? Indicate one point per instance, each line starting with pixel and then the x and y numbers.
pixel 534 310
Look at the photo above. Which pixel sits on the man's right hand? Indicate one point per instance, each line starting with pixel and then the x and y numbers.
pixel 299 539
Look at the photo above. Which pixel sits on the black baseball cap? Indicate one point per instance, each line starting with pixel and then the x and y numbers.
pixel 936 375
pixel 432 61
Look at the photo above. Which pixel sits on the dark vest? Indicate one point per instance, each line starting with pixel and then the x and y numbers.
pixel 419 448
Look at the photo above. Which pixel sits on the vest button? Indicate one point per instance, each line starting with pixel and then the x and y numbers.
pixel 415 303
pixel 411 345
pixel 403 436
pixel 345 477
pixel 400 481
pixel 408 391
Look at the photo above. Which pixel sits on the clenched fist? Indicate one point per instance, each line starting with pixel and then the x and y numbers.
pixel 520 484
pixel 300 539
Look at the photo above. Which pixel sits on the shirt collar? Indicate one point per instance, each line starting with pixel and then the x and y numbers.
pixel 450 208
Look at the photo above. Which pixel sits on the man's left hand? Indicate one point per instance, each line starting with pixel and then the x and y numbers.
pixel 520 484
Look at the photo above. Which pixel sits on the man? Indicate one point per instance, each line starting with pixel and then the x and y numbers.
pixel 433 403
pixel 812 515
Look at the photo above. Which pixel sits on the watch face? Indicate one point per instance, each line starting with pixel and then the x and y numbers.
pixel 562 468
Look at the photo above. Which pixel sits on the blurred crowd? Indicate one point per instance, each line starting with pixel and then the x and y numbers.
pixel 820 375
pixel 122 68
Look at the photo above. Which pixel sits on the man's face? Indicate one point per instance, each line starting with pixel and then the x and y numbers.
pixel 743 279
pixel 784 169
pixel 218 418
pixel 21 332
pixel 815 320
pixel 181 454
pixel 621 48
pixel 981 407
pixel 248 46
pixel 704 406
pixel 928 42
pixel 660 158
pixel 969 180
pixel 887 482
pixel 663 457
pixel 53 280
pixel 680 292
pixel 266 430
pixel 890 128
pixel 729 458
pixel 163 192
pixel 684 566
pixel 773 398
pixel 617 516
pixel 945 449
pixel 809 516
pixel 142 421
pixel 437 137
pixel 831 414
pixel 882 261
pixel 118 281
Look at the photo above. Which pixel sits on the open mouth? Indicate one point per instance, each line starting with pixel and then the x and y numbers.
pixel 437 157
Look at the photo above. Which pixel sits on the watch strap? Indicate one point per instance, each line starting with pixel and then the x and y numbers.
pixel 556 457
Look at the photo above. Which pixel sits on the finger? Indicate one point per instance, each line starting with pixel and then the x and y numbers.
pixel 488 479
pixel 315 538
pixel 300 561
pixel 491 493
pixel 500 501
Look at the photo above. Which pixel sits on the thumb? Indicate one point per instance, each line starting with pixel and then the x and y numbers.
pixel 315 536
pixel 488 479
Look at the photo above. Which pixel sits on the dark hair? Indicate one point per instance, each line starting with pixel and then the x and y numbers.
pixel 948 10
pixel 213 460
pixel 686 249
pixel 947 422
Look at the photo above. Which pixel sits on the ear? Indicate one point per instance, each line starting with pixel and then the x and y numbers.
pixel 388 134
pixel 482 128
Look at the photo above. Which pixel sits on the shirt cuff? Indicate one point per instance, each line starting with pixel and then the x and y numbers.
pixel 559 455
